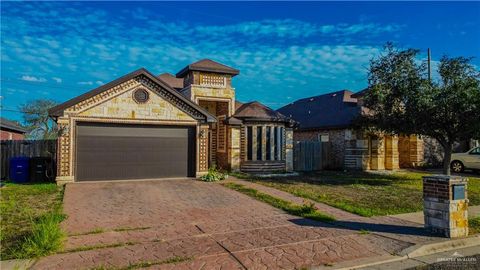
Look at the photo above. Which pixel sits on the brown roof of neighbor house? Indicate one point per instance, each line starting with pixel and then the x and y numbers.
pixel 360 93
pixel 208 66
pixel 171 80
pixel 256 111
pixel 11 125
pixel 332 110
pixel 58 110
pixel 238 104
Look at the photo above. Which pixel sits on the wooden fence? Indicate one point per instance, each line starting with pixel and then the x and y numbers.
pixel 310 155
pixel 26 148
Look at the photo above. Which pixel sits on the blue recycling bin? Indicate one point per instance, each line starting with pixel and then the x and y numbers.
pixel 19 169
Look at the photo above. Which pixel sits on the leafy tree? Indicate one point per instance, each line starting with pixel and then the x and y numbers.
pixel 402 100
pixel 35 117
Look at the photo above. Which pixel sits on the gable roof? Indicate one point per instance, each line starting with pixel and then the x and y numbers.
pixel 208 66
pixel 11 125
pixel 332 110
pixel 360 93
pixel 171 80
pixel 58 110
pixel 256 111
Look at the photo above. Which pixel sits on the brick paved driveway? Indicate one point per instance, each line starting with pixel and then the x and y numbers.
pixel 217 228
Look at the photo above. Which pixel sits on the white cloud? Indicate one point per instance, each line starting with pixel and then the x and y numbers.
pixel 274 56
pixel 33 79
pixel 86 83
pixel 56 79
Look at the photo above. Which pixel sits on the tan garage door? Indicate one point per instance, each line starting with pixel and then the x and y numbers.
pixel 117 152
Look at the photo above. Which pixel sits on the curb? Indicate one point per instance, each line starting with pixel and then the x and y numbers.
pixel 427 249
pixel 415 251
pixel 17 264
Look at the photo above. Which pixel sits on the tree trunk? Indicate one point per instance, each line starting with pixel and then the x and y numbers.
pixel 447 158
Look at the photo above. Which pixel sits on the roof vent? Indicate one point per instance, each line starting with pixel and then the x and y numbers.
pixel 334 95
pixel 311 99
pixel 140 95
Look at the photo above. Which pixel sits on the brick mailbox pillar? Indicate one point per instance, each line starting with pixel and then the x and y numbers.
pixel 445 205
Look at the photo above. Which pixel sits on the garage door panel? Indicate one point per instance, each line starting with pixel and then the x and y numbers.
pixel 132 152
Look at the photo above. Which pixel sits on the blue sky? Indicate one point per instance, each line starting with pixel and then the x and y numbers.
pixel 284 50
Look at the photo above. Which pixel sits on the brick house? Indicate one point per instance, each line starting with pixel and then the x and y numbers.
pixel 330 117
pixel 10 130
pixel 143 126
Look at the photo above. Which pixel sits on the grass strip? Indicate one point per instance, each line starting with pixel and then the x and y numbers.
pixel 307 210
pixel 85 248
pixel 123 229
pixel 143 264
pixel 100 230
pixel 474 225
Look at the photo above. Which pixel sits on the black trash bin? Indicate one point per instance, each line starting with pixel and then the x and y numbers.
pixel 41 169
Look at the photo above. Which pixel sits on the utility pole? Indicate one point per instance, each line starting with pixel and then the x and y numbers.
pixel 428 63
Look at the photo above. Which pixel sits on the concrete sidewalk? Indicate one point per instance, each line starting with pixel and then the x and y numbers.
pixel 417 217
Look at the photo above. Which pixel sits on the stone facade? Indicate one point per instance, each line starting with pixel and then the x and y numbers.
pixel 218 141
pixel 446 211
pixel 123 106
pixel 116 105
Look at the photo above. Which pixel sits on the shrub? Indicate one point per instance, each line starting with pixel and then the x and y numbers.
pixel 213 175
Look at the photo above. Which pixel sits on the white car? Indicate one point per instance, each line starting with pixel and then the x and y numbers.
pixel 467 160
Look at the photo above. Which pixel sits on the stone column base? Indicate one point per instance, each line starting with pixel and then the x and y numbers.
pixel 62 180
pixel 445 211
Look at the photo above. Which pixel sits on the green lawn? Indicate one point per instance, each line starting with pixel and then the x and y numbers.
pixel 362 193
pixel 307 210
pixel 31 214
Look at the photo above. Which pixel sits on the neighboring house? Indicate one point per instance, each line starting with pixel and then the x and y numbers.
pixel 141 126
pixel 330 118
pixel 10 130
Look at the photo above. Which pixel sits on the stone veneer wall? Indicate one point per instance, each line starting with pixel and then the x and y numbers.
pixel 411 151
pixel 443 213
pixel 391 153
pixel 336 138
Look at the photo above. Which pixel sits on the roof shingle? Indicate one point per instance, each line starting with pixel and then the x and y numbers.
pixel 257 111
pixel 332 110
pixel 208 66
pixel 11 125
pixel 171 80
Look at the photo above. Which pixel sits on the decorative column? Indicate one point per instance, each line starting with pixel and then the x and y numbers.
pixel 234 148
pixel 391 153
pixel 404 151
pixel 64 162
pixel 377 154
pixel 202 165
pixel 445 205
pixel 289 149
pixel 264 143
pixel 254 143
pixel 416 150
pixel 272 142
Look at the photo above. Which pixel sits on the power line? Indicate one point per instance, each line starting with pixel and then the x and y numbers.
pixel 17 111
pixel 27 83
